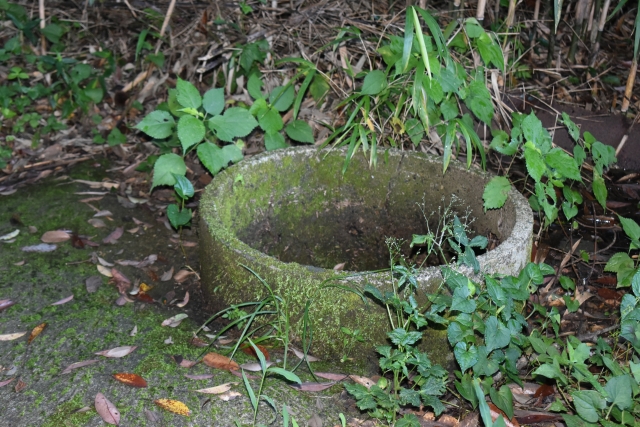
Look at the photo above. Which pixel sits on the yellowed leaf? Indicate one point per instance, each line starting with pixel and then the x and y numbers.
pixel 174 406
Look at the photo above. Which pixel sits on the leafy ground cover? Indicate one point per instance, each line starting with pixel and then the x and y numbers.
pixel 227 81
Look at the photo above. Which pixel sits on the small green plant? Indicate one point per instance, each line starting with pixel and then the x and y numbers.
pixel 621 263
pixel 206 127
pixel 550 167
pixel 349 340
pixel 420 89
pixel 255 396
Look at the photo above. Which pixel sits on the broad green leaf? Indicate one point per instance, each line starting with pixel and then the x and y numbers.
pixel 53 32
pixel 318 88
pixel 165 167
pixel 183 187
pixel 574 131
pixel 177 217
pixel 268 117
pixel 619 391
pixel 116 137
pixel 599 189
pixel 80 72
pixel 534 162
pixel 496 192
pixel 618 261
pixel 274 141
pixel 157 124
pixel 287 374
pixel 588 403
pixel 603 155
pixel 496 334
pixel 479 101
pixel 95 94
pixel 188 96
pixel 490 51
pixel 156 59
pixel 231 153
pixel 211 157
pixel 254 86
pixel 190 131
pixel 374 83
pixel 235 122
pixel 414 130
pixel 632 230
pixel 503 399
pixel 466 357
pixel 449 109
pixel 579 154
pixel 534 133
pixel 472 28
pixel 563 163
pixel 281 97
pixel 461 302
pixel 501 143
pixel 300 131
pixel 433 89
pixel 402 337
pixel 551 371
pixel 213 101
pixel 449 81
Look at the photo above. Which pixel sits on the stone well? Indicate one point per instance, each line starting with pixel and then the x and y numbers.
pixel 291 216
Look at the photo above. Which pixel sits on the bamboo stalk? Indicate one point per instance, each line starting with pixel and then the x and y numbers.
pixel 628 90
pixel 511 13
pixel 581 7
pixel 482 4
pixel 43 20
pixel 603 19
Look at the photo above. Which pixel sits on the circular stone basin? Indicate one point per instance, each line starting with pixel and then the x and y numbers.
pixel 291 216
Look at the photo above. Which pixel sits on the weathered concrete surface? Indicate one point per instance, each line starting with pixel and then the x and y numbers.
pixel 297 205
pixel 91 322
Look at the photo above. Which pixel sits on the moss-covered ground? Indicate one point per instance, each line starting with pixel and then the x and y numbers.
pixel 92 322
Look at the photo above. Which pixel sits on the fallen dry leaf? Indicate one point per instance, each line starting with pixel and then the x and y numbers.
pixel 198 377
pixel 63 301
pixel 77 365
pixel 167 275
pixel 93 283
pixel 41 247
pixel 107 410
pixel 254 366
pixel 97 222
pixel 114 236
pixel 182 275
pixel 20 385
pixel 104 270
pixel 219 389
pixel 174 406
pixel 117 351
pixel 11 235
pixel 367 382
pixel 57 236
pixel 248 349
pixel 102 213
pixel 184 301
pixel 6 303
pixel 496 412
pixel 313 386
pixel 331 376
pixel 134 380
pixel 219 361
pixel 230 395
pixel 11 337
pixel 300 355
pixel 174 321
pixel 36 331
pixel 5 382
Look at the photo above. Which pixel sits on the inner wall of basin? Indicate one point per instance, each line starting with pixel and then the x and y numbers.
pixel 346 219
